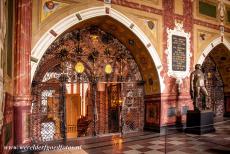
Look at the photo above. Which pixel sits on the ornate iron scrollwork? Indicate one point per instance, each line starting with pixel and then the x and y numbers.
pixel 94 49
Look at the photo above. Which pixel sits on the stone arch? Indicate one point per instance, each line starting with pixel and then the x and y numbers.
pixel 219 50
pixel 211 46
pixel 46 40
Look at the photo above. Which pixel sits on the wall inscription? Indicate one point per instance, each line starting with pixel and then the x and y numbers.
pixel 178 53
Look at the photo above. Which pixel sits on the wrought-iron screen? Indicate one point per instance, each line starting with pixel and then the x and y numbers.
pixel 102 61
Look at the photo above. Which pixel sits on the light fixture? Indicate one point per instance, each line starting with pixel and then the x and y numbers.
pixel 79 67
pixel 120 101
pixel 108 69
pixel 94 38
pixel 209 75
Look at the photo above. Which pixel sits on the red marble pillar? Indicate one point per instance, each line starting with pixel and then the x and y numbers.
pixel 22 97
pixel 171 99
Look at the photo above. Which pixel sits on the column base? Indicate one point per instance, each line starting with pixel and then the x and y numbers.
pixel 21 125
pixel 22 106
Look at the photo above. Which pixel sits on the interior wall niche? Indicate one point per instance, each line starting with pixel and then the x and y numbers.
pixel 214 85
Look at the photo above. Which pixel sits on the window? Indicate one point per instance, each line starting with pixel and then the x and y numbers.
pixel 228 15
pixel 207 9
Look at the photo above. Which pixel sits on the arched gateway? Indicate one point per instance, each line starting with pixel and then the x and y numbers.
pixel 93 78
pixel 215 60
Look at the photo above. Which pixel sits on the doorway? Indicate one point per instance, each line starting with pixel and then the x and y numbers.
pixel 114 107
pixel 214 86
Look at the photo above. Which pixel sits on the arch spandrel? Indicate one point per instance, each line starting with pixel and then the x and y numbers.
pixel 202 38
pixel 150 24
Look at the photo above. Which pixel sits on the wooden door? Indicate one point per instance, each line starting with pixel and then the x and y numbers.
pixel 73 112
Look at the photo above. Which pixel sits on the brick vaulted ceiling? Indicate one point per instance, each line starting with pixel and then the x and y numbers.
pixel 221 56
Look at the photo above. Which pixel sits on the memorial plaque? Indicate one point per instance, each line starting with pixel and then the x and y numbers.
pixel 178 53
pixel 184 110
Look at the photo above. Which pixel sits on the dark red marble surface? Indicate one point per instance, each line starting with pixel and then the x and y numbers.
pixel 22 101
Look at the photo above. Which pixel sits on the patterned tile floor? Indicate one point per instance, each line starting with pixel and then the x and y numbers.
pixel 174 143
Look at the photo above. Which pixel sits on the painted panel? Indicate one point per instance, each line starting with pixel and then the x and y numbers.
pixel 49 7
pixel 184 110
pixel 171 111
pixel 152 114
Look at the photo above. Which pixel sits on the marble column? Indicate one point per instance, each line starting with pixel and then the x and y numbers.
pixel 22 46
